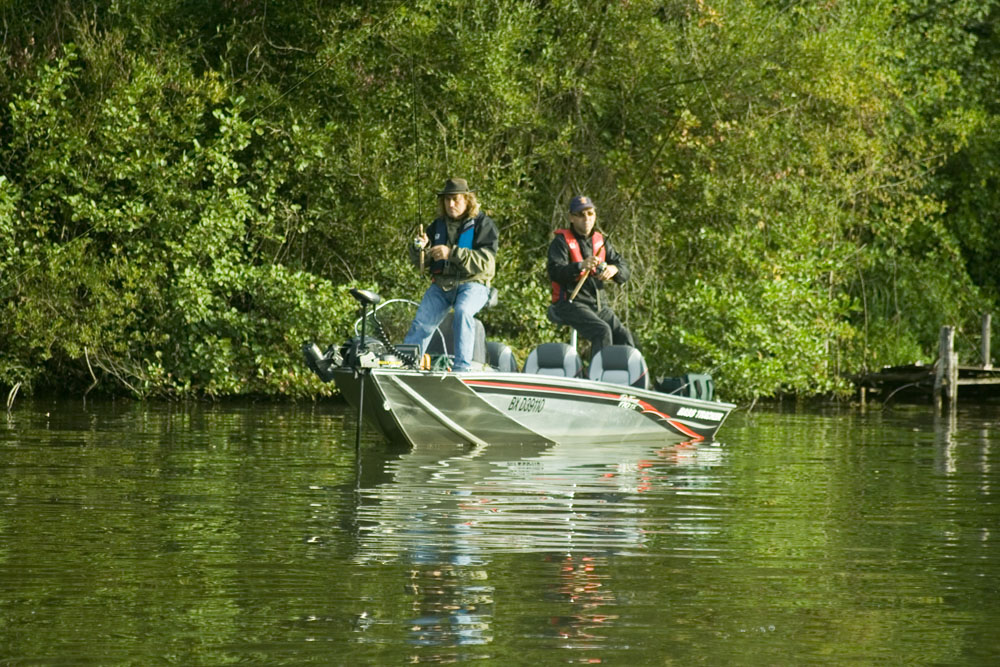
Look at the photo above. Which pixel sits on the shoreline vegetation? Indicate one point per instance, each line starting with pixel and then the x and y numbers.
pixel 806 192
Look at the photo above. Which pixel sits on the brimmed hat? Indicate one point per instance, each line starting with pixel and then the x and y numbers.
pixel 581 203
pixel 455 186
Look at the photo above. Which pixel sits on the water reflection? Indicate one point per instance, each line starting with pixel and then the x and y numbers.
pixel 462 507
pixel 454 606
pixel 450 512
pixel 581 583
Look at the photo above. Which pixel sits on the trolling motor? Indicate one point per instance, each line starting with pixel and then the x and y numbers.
pixel 360 352
pixel 365 298
pixel 364 351
pixel 354 354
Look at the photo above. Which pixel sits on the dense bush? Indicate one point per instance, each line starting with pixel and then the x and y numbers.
pixel 188 189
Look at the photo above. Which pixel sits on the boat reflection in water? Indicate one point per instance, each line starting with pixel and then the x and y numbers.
pixel 577 507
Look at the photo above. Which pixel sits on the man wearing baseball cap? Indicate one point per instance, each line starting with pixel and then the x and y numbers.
pixel 581 262
pixel 459 251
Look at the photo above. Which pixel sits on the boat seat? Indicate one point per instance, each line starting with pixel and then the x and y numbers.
pixel 619 364
pixel 557 359
pixel 443 340
pixel 501 357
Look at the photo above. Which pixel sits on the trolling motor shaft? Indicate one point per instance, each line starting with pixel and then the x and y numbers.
pixel 365 298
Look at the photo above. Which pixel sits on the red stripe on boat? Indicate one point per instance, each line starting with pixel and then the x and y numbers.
pixel 535 387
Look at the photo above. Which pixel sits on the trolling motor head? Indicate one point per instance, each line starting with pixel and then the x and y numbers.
pixel 365 298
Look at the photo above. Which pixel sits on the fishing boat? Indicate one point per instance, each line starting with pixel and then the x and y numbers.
pixel 549 400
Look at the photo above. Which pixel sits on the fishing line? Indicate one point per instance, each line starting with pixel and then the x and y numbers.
pixel 417 212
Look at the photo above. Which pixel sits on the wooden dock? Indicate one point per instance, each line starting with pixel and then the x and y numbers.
pixel 940 382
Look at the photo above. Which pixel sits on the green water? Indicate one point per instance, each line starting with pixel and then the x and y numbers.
pixel 204 535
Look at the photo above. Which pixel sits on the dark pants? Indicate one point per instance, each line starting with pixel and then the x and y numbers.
pixel 600 327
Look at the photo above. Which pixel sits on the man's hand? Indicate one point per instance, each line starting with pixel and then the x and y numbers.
pixel 609 272
pixel 440 252
pixel 601 270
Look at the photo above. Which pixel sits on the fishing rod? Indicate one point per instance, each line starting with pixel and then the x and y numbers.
pixel 599 269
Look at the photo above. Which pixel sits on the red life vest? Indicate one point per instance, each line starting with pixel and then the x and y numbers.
pixel 575 255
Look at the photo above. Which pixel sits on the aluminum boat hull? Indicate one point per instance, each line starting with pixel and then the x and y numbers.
pixel 424 407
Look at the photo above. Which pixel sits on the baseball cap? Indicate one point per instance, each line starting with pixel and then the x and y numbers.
pixel 577 204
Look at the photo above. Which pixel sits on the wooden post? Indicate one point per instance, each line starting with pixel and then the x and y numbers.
pixel 946 375
pixel 987 364
pixel 952 392
pixel 939 369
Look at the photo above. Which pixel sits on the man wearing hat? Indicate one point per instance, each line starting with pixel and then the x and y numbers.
pixel 459 251
pixel 581 261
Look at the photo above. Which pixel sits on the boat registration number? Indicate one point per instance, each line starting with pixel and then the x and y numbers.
pixel 526 404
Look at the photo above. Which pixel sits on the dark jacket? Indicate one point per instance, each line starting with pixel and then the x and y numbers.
pixel 563 271
pixel 475 264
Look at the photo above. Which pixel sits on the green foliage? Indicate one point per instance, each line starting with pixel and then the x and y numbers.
pixel 187 190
